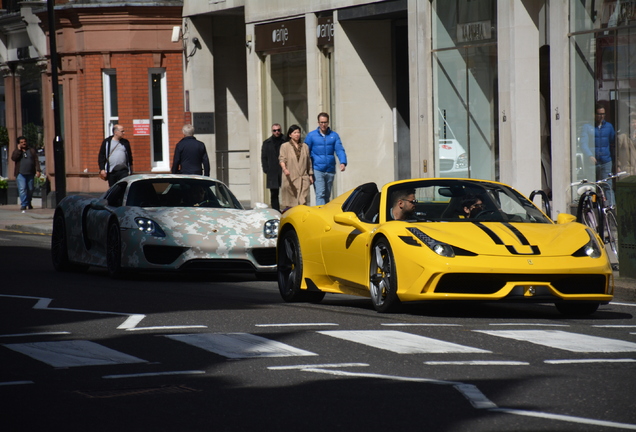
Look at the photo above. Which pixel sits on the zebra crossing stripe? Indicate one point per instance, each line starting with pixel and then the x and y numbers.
pixel 400 342
pixel 73 353
pixel 240 345
pixel 573 342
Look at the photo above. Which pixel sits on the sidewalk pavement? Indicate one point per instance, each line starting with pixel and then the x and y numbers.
pixel 40 221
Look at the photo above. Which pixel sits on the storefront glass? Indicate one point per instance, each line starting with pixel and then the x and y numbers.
pixel 288 89
pixel 465 89
pixel 603 67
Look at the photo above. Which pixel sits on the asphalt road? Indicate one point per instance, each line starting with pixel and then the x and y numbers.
pixel 170 353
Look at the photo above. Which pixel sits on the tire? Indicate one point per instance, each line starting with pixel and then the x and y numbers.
pixel 577 308
pixel 383 278
pixel 113 252
pixel 59 247
pixel 589 216
pixel 290 268
pixel 611 232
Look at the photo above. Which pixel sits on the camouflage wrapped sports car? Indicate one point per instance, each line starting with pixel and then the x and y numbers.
pixel 164 222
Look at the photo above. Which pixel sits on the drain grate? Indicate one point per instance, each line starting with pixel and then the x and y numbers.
pixel 165 390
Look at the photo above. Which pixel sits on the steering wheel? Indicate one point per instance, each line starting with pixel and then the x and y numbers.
pixel 484 214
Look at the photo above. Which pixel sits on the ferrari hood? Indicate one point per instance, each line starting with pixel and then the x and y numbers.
pixel 507 239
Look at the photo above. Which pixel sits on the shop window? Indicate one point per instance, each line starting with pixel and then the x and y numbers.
pixel 465 89
pixel 159 119
pixel 111 108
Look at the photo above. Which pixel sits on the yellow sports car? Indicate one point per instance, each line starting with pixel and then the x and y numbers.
pixel 441 239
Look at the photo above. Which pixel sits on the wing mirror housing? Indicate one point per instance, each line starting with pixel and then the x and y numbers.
pixel 350 219
pixel 564 218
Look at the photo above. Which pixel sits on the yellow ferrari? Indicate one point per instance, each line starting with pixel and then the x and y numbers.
pixel 441 239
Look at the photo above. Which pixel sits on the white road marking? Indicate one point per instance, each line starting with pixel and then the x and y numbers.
pixel 9 383
pixel 575 361
pixel 419 324
pixel 36 334
pixel 566 418
pixel 623 304
pixel 295 325
pixel 150 374
pixel 567 341
pixel 475 396
pixel 182 327
pixel 73 353
pixel 240 345
pixel 614 326
pixel 400 342
pixel 478 363
pixel 529 324
pixel 322 366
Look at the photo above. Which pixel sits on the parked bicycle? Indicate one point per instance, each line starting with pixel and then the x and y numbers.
pixel 593 209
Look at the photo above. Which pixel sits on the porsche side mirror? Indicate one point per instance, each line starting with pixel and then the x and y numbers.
pixel 350 219
pixel 100 204
pixel 564 218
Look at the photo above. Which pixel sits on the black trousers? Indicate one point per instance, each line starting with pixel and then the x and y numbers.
pixel 115 176
pixel 273 193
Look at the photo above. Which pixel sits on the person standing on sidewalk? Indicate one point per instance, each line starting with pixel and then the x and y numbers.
pixel 190 155
pixel 271 167
pixel 323 143
pixel 27 165
pixel 115 157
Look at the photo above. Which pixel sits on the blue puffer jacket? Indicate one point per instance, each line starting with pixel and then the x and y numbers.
pixel 603 138
pixel 322 149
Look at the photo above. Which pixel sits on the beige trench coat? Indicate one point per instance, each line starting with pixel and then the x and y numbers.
pixel 626 154
pixel 294 189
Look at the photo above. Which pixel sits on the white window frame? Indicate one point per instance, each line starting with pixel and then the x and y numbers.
pixel 109 119
pixel 162 165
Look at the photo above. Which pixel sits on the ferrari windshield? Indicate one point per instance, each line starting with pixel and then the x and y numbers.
pixel 443 200
pixel 180 192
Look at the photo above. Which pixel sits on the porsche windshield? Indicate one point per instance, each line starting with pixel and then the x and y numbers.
pixel 462 201
pixel 176 192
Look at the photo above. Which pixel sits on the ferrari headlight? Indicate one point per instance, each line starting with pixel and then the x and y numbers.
pixel 439 248
pixel 270 229
pixel 591 249
pixel 148 226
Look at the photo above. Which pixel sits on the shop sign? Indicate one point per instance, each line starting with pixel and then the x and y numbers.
pixel 141 127
pixel 280 36
pixel 474 31
pixel 325 31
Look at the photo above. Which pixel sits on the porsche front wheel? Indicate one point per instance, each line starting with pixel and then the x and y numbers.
pixel 59 246
pixel 290 268
pixel 113 252
pixel 383 278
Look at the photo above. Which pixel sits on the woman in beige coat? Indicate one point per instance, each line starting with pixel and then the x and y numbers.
pixel 297 171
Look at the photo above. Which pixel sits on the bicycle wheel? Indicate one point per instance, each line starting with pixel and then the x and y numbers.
pixel 611 231
pixel 588 214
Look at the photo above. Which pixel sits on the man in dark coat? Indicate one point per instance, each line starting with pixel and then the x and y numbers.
pixel 190 155
pixel 271 164
pixel 27 165
pixel 115 157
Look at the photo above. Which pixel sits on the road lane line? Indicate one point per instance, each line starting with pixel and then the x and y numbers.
pixel 10 383
pixel 151 374
pixel 295 325
pixel 566 418
pixel 400 342
pixel 575 361
pixel 322 366
pixel 567 341
pixel 36 334
pixel 240 345
pixel 530 324
pixel 181 327
pixel 420 324
pixel 478 363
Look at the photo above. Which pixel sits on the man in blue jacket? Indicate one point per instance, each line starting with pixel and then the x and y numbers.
pixel 323 143
pixel 603 138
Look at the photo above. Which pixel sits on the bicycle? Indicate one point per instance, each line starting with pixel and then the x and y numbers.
pixel 593 210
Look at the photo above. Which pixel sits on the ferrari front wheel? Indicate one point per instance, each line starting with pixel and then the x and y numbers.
pixel 290 267
pixel 383 278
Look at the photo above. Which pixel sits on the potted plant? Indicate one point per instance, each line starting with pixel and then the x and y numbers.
pixel 4 185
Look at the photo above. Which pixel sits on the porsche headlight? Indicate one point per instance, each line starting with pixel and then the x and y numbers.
pixel 270 229
pixel 439 248
pixel 148 226
pixel 591 249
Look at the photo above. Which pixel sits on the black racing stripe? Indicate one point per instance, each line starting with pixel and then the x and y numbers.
pixel 524 241
pixel 490 233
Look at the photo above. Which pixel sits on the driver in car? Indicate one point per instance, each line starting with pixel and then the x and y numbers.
pixel 471 206
pixel 196 196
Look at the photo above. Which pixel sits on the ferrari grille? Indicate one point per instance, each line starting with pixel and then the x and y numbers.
pixel 265 256
pixel 163 254
pixel 479 283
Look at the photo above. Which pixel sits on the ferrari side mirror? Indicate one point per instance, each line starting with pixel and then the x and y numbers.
pixel 564 218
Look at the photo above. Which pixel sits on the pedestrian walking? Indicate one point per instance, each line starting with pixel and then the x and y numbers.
pixel 271 166
pixel 115 157
pixel 27 165
pixel 190 155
